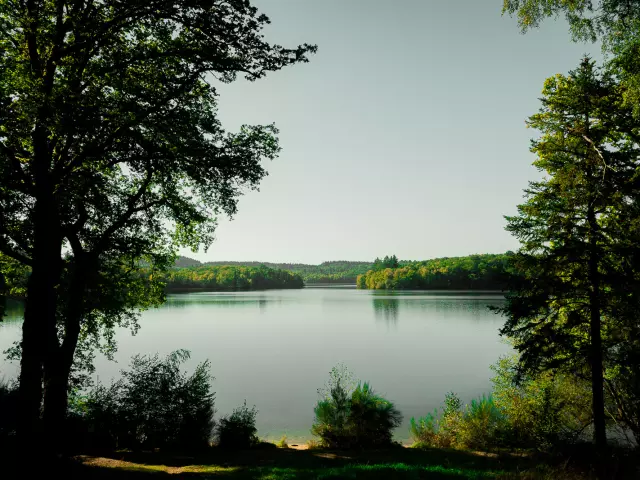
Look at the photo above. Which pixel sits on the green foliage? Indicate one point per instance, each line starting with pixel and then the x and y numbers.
pixel 537 412
pixel 543 410
pixel 350 417
pixel 282 443
pixel 153 405
pixel 238 430
pixel 614 22
pixel 573 299
pixel 476 426
pixel 480 425
pixel 112 156
pixel 474 272
pixel 622 383
pixel 386 262
pixel 229 278
pixel 434 430
pixel 338 272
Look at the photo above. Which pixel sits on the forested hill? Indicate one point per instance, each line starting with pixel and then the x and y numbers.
pixel 229 277
pixel 336 272
pixel 473 272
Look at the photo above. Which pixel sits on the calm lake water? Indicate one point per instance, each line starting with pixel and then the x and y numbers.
pixel 275 348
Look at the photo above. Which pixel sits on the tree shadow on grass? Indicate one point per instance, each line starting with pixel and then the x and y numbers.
pixel 299 464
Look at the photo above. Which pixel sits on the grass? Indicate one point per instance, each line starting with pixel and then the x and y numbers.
pixel 269 462
pixel 290 464
pixel 123 469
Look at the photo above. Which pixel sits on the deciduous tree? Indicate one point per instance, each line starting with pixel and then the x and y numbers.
pixel 111 153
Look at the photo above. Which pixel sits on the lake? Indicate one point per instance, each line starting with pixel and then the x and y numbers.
pixel 275 348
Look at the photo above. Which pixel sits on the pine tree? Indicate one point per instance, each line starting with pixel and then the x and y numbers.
pixel 577 230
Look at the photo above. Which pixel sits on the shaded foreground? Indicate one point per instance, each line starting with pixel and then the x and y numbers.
pixel 288 463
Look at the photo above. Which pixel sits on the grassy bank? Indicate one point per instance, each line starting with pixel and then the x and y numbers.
pixel 287 463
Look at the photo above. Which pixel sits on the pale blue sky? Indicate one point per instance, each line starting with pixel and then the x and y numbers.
pixel 404 135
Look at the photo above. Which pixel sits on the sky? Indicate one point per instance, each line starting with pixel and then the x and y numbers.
pixel 405 134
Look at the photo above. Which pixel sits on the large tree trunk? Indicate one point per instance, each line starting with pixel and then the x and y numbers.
pixel 596 356
pixel 56 383
pixel 39 327
pixel 58 366
pixel 30 392
pixel 39 335
pixel 56 380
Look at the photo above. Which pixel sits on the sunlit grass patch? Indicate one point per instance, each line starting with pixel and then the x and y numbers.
pixel 141 467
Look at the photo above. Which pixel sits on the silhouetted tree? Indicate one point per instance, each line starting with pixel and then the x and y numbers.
pixel 112 153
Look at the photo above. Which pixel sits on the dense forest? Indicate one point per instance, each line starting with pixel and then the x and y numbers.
pixel 336 272
pixel 473 272
pixel 229 277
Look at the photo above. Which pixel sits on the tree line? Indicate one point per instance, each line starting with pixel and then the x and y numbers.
pixel 473 272
pixel 335 271
pixel 229 277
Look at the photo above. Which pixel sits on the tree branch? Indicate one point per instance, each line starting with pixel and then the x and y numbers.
pixel 16 165
pixel 9 252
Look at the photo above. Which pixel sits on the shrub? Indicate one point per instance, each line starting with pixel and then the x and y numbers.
pixel 431 431
pixel 526 411
pixel 312 445
pixel 238 430
pixel 353 417
pixel 424 431
pixel 153 405
pixel 282 443
pixel 542 410
pixel 480 425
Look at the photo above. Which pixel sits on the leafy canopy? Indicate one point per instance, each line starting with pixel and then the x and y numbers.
pixel 111 152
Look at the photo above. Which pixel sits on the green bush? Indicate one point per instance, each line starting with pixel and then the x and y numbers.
pixel 350 417
pixel 524 411
pixel 481 425
pixel 433 430
pixel 541 411
pixel 477 426
pixel 238 430
pixel 153 405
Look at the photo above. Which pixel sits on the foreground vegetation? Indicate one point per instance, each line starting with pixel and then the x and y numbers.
pixel 158 420
pixel 270 463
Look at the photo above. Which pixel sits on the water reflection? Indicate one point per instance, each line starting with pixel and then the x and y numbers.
pixel 224 301
pixel 274 348
pixel 475 305
pixel 14 310
pixel 386 309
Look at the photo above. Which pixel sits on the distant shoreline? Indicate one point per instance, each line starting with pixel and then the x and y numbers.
pixel 207 289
